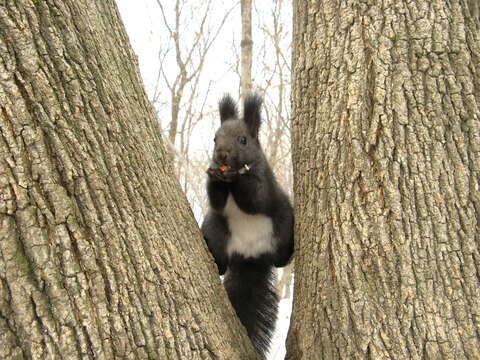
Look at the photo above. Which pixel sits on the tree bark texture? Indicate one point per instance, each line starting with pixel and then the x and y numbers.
pixel 246 48
pixel 386 140
pixel 100 256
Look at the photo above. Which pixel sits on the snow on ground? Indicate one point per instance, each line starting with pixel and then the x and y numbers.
pixel 277 352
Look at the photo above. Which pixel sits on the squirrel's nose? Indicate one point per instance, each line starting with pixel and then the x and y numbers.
pixel 222 155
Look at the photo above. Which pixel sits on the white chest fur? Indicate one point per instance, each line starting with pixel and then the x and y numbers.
pixel 251 235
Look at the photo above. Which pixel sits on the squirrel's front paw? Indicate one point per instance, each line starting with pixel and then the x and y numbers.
pixel 221 173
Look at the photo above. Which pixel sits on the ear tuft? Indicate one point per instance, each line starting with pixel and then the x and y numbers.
pixel 227 108
pixel 251 113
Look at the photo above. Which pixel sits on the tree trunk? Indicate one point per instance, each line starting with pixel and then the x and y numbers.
pixel 246 47
pixel 100 256
pixel 386 142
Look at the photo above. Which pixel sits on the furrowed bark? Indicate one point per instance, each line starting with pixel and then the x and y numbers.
pixel 386 140
pixel 100 256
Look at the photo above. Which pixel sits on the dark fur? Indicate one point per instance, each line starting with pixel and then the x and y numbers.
pixel 227 108
pixel 250 282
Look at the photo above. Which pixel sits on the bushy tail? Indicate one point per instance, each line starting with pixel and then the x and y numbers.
pixel 250 286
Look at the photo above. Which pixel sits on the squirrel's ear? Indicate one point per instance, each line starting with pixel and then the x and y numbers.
pixel 251 113
pixel 227 108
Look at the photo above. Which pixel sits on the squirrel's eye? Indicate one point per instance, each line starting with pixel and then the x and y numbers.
pixel 243 140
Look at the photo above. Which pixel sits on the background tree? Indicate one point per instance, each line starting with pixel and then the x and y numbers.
pixel 96 238
pixel 190 43
pixel 246 48
pixel 191 33
pixel 386 147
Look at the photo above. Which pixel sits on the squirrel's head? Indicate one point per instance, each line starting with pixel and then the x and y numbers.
pixel 236 141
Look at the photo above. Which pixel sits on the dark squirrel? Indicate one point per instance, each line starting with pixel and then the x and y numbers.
pixel 249 224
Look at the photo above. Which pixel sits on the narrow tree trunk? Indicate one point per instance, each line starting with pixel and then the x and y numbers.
pixel 100 256
pixel 173 126
pixel 386 142
pixel 246 47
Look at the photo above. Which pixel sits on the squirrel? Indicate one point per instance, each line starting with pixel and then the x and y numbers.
pixel 249 224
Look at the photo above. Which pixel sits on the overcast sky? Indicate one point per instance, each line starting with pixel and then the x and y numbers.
pixel 143 21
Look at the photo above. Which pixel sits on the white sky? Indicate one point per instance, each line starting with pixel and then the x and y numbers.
pixel 144 24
